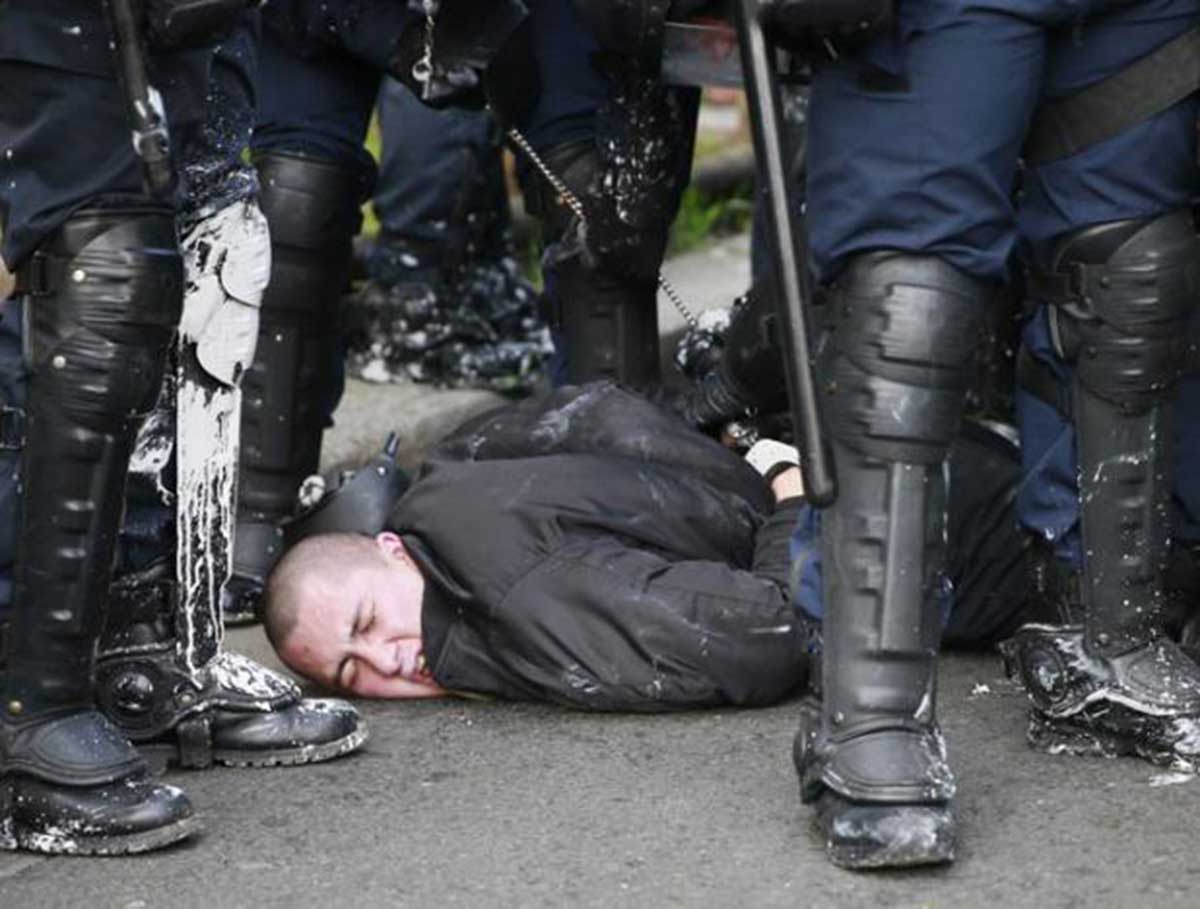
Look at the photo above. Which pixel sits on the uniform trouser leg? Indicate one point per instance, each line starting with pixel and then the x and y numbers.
pixel 1102 674
pixel 103 304
pixel 436 169
pixel 622 143
pixel 446 302
pixel 1048 499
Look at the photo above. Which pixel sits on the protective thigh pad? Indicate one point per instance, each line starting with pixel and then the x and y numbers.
pixel 896 368
pixel 228 263
pixel 117 281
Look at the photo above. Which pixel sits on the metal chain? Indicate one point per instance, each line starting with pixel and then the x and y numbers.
pixel 572 202
pixel 422 70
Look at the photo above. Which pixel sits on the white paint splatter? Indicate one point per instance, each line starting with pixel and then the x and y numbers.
pixel 1171 779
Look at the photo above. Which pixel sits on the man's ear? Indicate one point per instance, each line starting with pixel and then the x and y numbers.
pixel 391 545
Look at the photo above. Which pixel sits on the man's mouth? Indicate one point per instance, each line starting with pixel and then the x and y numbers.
pixel 422 666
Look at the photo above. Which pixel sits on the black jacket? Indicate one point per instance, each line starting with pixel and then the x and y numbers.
pixel 588 549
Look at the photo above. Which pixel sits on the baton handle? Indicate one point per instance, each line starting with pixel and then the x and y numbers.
pixel 143 105
pixel 789 248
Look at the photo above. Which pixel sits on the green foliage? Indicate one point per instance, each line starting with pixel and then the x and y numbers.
pixel 703 217
pixel 370 226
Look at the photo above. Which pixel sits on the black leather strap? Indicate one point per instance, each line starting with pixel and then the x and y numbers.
pixel 1075 122
pixel 1039 380
pixel 74 748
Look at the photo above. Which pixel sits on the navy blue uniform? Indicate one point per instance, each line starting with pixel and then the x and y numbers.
pixel 63 129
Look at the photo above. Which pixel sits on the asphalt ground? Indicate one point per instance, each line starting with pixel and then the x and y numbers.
pixel 475 803
pixel 470 803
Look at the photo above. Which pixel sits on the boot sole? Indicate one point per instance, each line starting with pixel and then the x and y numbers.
pixel 904 837
pixel 1065 737
pixel 856 858
pixel 304 754
pixel 60 842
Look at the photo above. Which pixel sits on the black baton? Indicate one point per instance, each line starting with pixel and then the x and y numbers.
pixel 789 248
pixel 143 105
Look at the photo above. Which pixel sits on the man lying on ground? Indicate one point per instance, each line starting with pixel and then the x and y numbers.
pixel 583 548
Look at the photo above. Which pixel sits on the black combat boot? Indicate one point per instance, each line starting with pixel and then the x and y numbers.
pixel 1111 681
pixel 312 206
pixel 165 681
pixel 606 316
pixel 872 759
pixel 103 301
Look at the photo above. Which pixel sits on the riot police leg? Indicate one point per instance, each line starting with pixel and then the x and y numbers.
pixel 621 140
pixel 312 206
pixel 605 316
pixel 103 301
pixel 874 763
pixel 1110 681
pixel 162 674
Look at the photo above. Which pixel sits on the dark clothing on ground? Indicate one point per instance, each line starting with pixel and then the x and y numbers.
pixel 588 549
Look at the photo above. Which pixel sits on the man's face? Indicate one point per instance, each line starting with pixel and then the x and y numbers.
pixel 360 632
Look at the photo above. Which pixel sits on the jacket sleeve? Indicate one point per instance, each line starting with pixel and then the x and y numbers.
pixel 604 625
pixel 772 543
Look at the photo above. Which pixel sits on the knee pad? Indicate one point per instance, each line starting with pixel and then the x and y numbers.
pixel 895 369
pixel 104 298
pixel 1123 294
pixel 313 209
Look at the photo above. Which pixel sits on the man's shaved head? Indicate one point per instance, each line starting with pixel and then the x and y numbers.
pixel 305 571
pixel 345 611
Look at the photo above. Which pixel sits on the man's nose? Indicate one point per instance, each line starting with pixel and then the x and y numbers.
pixel 382 655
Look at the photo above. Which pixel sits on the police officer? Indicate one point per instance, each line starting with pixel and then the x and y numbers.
pixel 100 271
pixel 913 148
pixel 100 264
